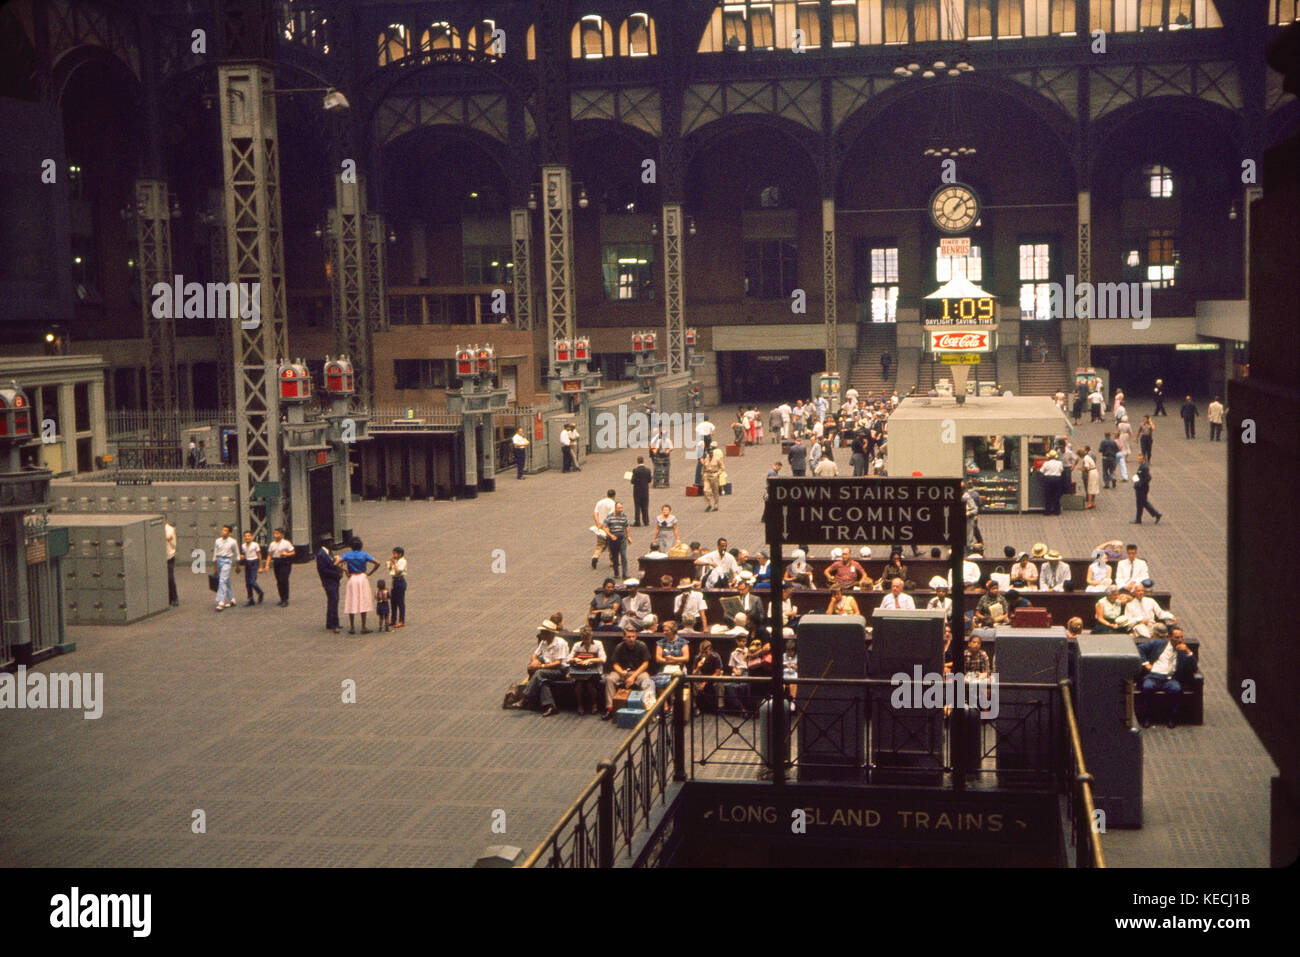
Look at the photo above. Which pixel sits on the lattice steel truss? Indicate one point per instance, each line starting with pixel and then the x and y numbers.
pixel 349 295
pixel 376 282
pixel 674 288
pixel 1084 274
pixel 829 310
pixel 521 235
pixel 255 253
pixel 223 332
pixel 558 196
pixel 153 230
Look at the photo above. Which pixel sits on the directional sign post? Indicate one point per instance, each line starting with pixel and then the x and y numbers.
pixel 841 511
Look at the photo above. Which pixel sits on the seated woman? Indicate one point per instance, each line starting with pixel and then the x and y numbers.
pixel 586 667
pixel 672 651
pixel 1099 576
pixel 707 662
pixel 894 568
pixel 1024 573
pixel 789 612
pixel 1109 614
pixel 840 603
pixel 799 572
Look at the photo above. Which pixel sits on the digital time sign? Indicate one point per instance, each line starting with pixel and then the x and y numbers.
pixel 967 311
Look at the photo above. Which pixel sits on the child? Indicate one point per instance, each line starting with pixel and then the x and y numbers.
pixel 381 605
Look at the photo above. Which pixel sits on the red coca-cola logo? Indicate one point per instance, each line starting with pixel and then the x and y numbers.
pixel 960 340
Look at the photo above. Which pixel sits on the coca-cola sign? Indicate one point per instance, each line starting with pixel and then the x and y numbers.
pixel 961 341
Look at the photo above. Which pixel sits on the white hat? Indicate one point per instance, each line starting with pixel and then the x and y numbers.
pixel 938 581
pixel 746 576
pixel 549 625
pixel 787 632
pixel 800 553
pixel 632 582
pixel 837 553
pixel 865 551
pixel 718 629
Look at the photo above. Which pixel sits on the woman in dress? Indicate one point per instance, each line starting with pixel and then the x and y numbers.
pixel 799 572
pixel 357 599
pixel 667 535
pixel 1098 573
pixel 1124 439
pixel 841 604
pixel 1091 477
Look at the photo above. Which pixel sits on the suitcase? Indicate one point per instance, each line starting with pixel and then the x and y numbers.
pixel 726 489
pixel 1031 617
pixel 692 491
pixel 627 718
pixel 733 449
pixel 620 698
pixel 636 701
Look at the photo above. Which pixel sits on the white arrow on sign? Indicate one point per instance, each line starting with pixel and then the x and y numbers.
pixel 945 523
pixel 785 520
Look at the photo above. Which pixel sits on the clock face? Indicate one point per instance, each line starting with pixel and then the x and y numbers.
pixel 954 208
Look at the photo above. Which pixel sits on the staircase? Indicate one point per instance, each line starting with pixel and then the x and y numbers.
pixel 931 370
pixel 1038 377
pixel 873 339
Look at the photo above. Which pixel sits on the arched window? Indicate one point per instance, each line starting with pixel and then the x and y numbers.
pixel 483 38
pixel 1157 181
pixel 393 44
pixel 593 38
pixel 531 42
pixel 636 37
pixel 439 36
pixel 1129 16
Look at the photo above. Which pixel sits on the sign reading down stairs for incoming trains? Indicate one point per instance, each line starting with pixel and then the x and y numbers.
pixel 831 511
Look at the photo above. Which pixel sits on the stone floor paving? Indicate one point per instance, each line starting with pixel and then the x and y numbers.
pixel 240 714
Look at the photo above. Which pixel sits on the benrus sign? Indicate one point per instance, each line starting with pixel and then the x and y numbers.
pixel 960 341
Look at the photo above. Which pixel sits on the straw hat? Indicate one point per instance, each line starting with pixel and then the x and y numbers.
pixel 1039 550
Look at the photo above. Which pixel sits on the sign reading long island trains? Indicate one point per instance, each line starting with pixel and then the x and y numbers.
pixel 839 510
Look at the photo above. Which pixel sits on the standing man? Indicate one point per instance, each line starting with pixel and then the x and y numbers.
pixel 604 509
pixel 252 555
pixel 330 575
pixel 1146 435
pixel 1096 401
pixel 1215 417
pixel 704 432
pixel 279 555
pixel 1159 393
pixel 712 470
pixel 971 498
pixel 661 447
pixel 616 528
pixel 1189 414
pixel 1053 472
pixel 798 456
pixel 566 451
pixel 641 493
pixel 224 550
pixel 885 359
pixel 521 451
pixel 1108 448
pixel 169 534
pixel 1141 487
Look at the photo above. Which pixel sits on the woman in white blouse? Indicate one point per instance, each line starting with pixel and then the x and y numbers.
pixel 1098 573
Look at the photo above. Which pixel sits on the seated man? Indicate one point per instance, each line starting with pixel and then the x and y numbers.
pixel 849 573
pixel 630 669
pixel 940 599
pixel 977 659
pixel 690 607
pixel 1131 568
pixel 547 664
pixel 1055 574
pixel 1144 612
pixel 970 570
pixel 718 567
pixel 749 602
pixel 1165 659
pixel 636 607
pixel 606 607
pixel 896 598
pixel 992 608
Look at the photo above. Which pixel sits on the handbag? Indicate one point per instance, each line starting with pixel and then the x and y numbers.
pixel 620 698
pixel 213 581
pixel 680 550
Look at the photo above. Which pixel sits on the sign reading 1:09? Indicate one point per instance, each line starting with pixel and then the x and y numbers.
pixel 971 310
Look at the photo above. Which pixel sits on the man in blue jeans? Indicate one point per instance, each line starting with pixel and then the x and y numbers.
pixel 224 551
pixel 616 528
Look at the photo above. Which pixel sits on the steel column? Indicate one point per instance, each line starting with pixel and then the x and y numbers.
pixel 376 289
pixel 1083 273
pixel 153 231
pixel 829 311
pixel 521 236
pixel 557 195
pixel 348 289
pixel 255 254
pixel 674 287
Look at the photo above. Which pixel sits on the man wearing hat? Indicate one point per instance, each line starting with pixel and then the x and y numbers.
pixel 545 666
pixel 940 600
pixel 690 607
pixel 636 607
pixel 1055 574
pixel 1052 472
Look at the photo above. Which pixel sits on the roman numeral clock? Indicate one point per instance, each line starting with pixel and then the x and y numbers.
pixel 954 208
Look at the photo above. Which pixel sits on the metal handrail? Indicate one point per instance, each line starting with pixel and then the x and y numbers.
pixel 604 777
pixel 1084 781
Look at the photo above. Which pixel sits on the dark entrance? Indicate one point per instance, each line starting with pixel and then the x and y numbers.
pixel 320 487
pixel 767 376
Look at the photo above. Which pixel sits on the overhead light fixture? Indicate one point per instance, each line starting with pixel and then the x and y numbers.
pixel 940 65
pixel 334 101
pixel 690 225
pixel 392 235
pixel 583 202
pixel 928 74
pixel 532 199
pixel 654 227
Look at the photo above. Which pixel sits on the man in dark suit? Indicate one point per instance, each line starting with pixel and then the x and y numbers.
pixel 1165 659
pixel 1189 414
pixel 1142 486
pixel 329 580
pixel 641 477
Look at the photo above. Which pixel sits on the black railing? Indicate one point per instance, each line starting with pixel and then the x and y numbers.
pixel 844 730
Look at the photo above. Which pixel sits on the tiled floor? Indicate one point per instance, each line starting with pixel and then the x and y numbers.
pixel 241 715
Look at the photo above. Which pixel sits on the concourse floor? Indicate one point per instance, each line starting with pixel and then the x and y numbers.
pixel 240 714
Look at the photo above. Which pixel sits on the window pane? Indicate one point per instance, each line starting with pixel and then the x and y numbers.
pixel 895 12
pixel 1010 18
pixel 760 24
pixel 925 20
pixel 810 22
pixel 979 19
pixel 844 23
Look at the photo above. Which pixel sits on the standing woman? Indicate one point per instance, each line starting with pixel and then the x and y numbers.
pixel 667 535
pixel 1146 434
pixel 1091 477
pixel 357 598
pixel 858 458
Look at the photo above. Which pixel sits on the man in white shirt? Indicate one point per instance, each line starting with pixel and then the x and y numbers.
pixel 717 566
pixel 661 447
pixel 704 431
pixel 636 607
pixel 970 571
pixel 940 599
pixel 1053 472
pixel 1131 569
pixel 786 412
pixel 820 405
pixel 169 535
pixel 546 665
pixel 826 468
pixel 690 607
pixel 566 451
pixel 521 451
pixel 896 598
pixel 279 556
pixel 252 555
pixel 1054 573
pixel 1144 612
pixel 604 509
pixel 224 551
pixel 1215 416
